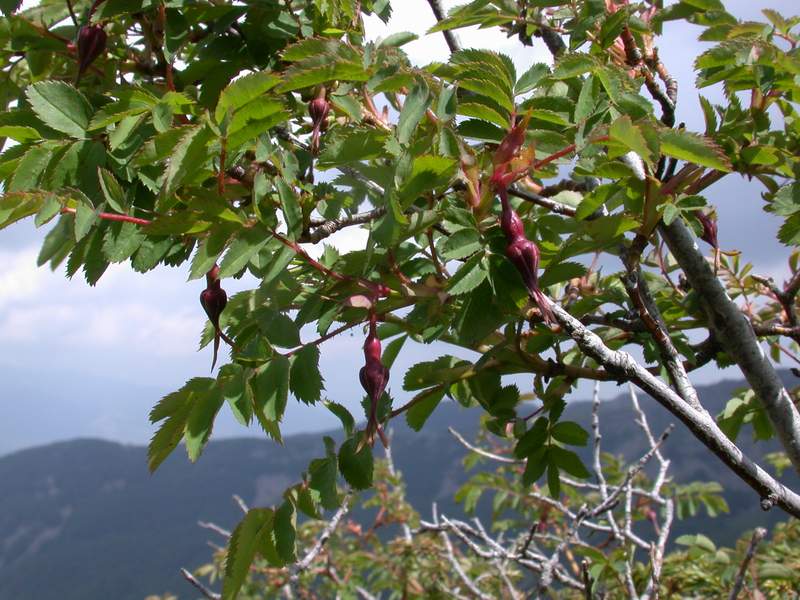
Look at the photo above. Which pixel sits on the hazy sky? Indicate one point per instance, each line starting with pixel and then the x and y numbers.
pixel 78 361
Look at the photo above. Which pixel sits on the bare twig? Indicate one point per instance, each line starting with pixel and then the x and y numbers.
pixel 758 535
pixel 598 467
pixel 551 205
pixel 449 36
pixel 207 593
pixel 241 503
pixel 215 528
pixel 390 466
pixel 323 538
pixel 471 585
pixel 325 228
pixel 587 580
pixel 639 293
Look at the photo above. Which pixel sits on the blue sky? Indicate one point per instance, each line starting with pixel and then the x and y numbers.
pixel 80 361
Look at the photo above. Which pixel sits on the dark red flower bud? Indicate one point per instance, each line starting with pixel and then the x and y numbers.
pixel 709 229
pixel 374 376
pixel 213 299
pixel 91 44
pixel 524 255
pixel 318 108
pixel 512 142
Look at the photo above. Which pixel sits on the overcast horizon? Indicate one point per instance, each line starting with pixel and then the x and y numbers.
pixel 81 361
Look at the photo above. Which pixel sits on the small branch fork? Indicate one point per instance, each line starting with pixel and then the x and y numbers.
pixel 700 423
pixel 305 562
pixel 611 514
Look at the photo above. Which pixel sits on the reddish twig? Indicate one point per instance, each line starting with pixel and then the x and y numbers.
pixel 324 338
pixel 571 148
pixel 112 217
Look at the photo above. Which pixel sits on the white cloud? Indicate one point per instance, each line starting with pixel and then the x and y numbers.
pixel 416 16
pixel 18 281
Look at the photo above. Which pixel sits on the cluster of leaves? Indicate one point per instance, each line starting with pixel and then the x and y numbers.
pixel 702 569
pixel 185 141
pixel 383 560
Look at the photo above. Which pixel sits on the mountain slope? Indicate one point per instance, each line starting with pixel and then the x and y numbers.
pixel 85 520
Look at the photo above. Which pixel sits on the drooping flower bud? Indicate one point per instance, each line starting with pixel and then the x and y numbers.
pixel 512 142
pixel 91 44
pixel 373 376
pixel 213 299
pixel 709 234
pixel 509 163
pixel 318 108
pixel 524 255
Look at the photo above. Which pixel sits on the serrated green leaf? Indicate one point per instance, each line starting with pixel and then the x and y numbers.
pixel 323 472
pixel 469 276
pixel 234 391
pixel 626 133
pixel 60 106
pixel 531 78
pixel 391 351
pixel 561 272
pixel 30 169
pixel 482 111
pixel 121 240
pixel 174 410
pixel 208 252
pixel 533 439
pixel 535 466
pixel 569 461
pixel 306 380
pixel 423 406
pixel 569 432
pixel 429 373
pixel 279 328
pixel 395 40
pixel 693 148
pixel 553 479
pixel 427 173
pixel 112 191
pixel 356 467
pixel 462 244
pixel 414 107
pixel 572 65
pixel 200 420
pixel 271 388
pixel 187 159
pixel 244 247
pixel 285 533
pixel 348 422
pixel 351 145
pixel 248 536
pixel 243 90
pixel 85 219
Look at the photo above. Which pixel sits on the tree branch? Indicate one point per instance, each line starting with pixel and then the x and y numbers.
pixel 323 538
pixel 758 535
pixel 735 334
pixel 324 229
pixel 207 593
pixel 449 36
pixel 700 424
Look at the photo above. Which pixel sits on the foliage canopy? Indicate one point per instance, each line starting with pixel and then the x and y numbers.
pixel 186 137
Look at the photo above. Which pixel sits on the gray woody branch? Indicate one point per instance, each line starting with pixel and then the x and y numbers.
pixel 735 334
pixel 700 423
pixel 449 36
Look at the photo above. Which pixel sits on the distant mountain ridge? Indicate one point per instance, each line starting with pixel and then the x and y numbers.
pixel 85 520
